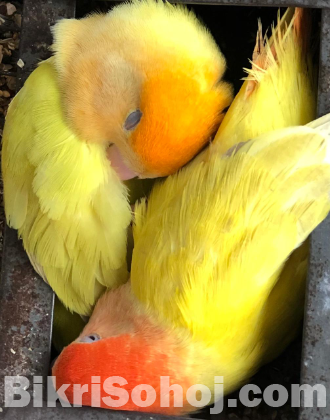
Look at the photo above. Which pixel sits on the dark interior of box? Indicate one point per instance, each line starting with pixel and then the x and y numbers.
pixel 234 29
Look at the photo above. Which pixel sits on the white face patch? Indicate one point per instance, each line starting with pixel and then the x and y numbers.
pixel 91 338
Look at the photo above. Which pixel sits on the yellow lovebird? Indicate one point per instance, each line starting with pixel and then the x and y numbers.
pixel 121 97
pixel 209 294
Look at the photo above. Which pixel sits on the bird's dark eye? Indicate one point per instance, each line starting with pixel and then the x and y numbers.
pixel 91 338
pixel 133 120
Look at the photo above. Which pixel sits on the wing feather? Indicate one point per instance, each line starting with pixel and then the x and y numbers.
pixel 62 195
pixel 218 248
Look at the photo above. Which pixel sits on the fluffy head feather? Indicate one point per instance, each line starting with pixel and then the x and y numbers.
pixel 111 65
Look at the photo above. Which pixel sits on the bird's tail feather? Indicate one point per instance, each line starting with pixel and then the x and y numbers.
pixel 295 24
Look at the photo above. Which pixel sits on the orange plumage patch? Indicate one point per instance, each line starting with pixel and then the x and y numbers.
pixel 165 142
pixel 79 362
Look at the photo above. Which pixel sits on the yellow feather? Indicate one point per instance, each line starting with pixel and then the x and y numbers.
pixel 214 264
pixel 62 196
pixel 218 269
pixel 225 227
pixel 68 204
pixel 284 92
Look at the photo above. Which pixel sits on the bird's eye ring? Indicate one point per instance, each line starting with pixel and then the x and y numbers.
pixel 133 120
pixel 91 338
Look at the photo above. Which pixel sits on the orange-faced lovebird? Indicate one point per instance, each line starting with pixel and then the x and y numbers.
pixel 122 96
pixel 209 297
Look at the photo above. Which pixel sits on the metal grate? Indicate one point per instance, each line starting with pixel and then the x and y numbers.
pixel 26 302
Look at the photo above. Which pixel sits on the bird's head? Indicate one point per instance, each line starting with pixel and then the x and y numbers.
pixel 154 97
pixel 131 360
pixel 175 118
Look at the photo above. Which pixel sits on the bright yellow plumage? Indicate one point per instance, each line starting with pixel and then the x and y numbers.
pixel 210 292
pixel 280 94
pixel 219 264
pixel 214 265
pixel 62 196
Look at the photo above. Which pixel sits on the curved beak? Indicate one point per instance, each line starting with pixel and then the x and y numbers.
pixel 118 164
